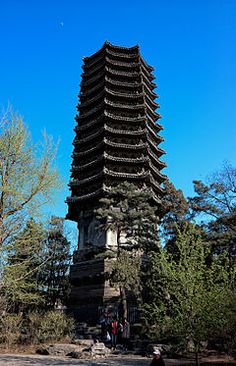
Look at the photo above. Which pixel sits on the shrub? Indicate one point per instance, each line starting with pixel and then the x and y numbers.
pixel 10 328
pixel 51 326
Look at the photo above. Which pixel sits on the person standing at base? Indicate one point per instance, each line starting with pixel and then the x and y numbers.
pixel 157 359
pixel 114 326
pixel 126 334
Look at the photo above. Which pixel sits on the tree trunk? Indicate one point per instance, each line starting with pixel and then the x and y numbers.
pixel 122 289
pixel 197 362
pixel 124 301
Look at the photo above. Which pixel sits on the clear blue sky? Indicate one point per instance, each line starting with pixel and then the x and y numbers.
pixel 191 44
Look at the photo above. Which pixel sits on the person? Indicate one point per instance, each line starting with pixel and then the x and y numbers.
pixel 126 334
pixel 157 359
pixel 114 326
pixel 105 326
pixel 119 331
pixel 102 322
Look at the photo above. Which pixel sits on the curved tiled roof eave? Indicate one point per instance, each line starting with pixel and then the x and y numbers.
pixel 82 127
pixel 92 111
pixel 88 138
pixel 128 95
pixel 125 146
pixel 124 106
pixel 80 182
pixel 112 173
pixel 115 131
pixel 87 165
pixel 116 117
pixel 87 152
pixel 73 199
pixel 125 159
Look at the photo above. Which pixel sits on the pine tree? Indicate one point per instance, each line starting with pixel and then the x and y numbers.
pixel 54 274
pixel 129 211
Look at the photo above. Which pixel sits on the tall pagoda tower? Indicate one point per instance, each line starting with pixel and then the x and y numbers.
pixel 116 139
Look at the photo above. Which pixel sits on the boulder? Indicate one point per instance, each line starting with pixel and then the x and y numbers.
pixel 83 342
pixel 59 349
pixel 100 350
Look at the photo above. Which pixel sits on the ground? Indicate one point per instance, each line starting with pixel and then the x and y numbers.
pixel 38 360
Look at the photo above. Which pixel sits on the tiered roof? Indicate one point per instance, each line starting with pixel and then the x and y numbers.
pixel 117 130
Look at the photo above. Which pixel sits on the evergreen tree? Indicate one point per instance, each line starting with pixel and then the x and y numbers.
pixel 54 274
pixel 129 211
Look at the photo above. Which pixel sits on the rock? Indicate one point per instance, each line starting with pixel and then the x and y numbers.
pixel 75 354
pixel 83 342
pixel 42 351
pixel 99 349
pixel 58 349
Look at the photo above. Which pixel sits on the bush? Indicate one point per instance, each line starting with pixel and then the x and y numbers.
pixel 51 326
pixel 10 329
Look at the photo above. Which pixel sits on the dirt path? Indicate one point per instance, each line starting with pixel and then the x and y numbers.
pixel 37 360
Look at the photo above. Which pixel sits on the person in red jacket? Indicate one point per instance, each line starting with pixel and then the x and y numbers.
pixel 114 326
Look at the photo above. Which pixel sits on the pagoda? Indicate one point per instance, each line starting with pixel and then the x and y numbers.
pixel 116 139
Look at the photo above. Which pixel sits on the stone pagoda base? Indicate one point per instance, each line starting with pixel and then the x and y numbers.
pixel 91 290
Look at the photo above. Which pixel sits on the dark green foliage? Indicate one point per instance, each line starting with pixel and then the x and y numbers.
pixel 53 275
pixel 130 210
pixel 36 269
pixel 131 213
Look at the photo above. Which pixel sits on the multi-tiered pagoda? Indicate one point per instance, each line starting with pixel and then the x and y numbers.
pixel 117 139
